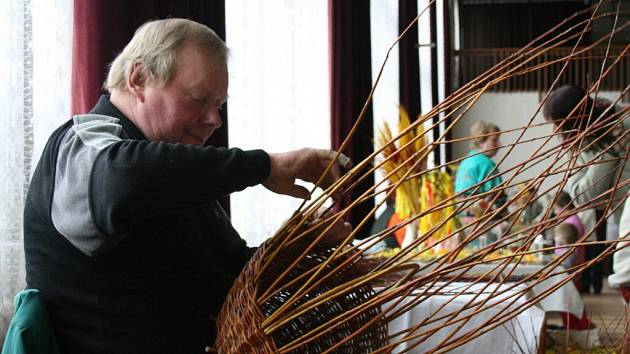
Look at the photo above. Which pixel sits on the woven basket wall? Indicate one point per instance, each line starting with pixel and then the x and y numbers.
pixel 238 325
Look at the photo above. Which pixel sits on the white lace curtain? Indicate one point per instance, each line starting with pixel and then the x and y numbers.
pixel 35 59
pixel 279 94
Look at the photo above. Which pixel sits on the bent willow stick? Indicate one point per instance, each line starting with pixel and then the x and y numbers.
pixel 300 294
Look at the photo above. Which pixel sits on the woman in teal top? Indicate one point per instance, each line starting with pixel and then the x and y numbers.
pixel 476 168
pixel 478 165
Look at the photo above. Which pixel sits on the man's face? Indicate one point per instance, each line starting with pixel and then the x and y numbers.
pixel 186 109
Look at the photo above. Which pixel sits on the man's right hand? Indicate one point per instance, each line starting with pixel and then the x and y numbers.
pixel 307 165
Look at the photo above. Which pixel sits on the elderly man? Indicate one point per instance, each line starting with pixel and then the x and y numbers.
pixel 124 237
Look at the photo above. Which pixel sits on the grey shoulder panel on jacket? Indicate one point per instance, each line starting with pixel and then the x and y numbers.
pixel 79 148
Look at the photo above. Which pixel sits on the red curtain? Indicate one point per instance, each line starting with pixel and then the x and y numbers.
pixel 351 81
pixel 99 31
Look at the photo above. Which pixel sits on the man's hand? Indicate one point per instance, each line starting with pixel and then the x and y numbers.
pixel 337 233
pixel 304 164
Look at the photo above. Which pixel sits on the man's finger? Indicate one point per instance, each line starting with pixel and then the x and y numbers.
pixel 298 191
pixel 337 195
pixel 323 212
pixel 333 176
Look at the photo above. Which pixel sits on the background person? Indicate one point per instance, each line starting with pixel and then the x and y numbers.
pixel 564 205
pixel 477 167
pixel 566 234
pixel 569 108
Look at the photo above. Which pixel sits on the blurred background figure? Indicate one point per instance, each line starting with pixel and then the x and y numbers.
pixel 478 174
pixel 574 113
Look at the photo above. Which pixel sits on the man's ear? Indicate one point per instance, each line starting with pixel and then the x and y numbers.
pixel 137 80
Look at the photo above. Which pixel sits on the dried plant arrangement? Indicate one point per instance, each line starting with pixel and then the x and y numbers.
pixel 299 294
pixel 408 196
pixel 420 191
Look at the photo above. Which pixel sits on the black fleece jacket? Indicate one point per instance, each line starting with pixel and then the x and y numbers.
pixel 125 240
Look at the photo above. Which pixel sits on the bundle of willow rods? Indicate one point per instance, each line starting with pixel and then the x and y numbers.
pixel 296 272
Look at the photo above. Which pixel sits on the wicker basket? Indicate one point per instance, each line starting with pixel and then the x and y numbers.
pixel 239 323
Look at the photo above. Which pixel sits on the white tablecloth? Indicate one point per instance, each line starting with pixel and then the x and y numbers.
pixel 519 335
pixel 564 299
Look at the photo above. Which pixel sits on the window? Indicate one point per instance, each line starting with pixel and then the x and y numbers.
pixel 35 56
pixel 278 95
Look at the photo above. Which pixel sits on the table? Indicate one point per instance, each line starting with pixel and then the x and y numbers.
pixel 564 299
pixel 521 334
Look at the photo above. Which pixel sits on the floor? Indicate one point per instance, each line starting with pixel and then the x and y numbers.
pixel 608 312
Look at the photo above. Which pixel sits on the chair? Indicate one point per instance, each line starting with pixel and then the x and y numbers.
pixel 30 331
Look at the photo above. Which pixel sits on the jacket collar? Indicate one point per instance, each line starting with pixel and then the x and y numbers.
pixel 106 108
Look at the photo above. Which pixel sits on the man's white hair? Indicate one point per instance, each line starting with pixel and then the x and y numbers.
pixel 156 44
